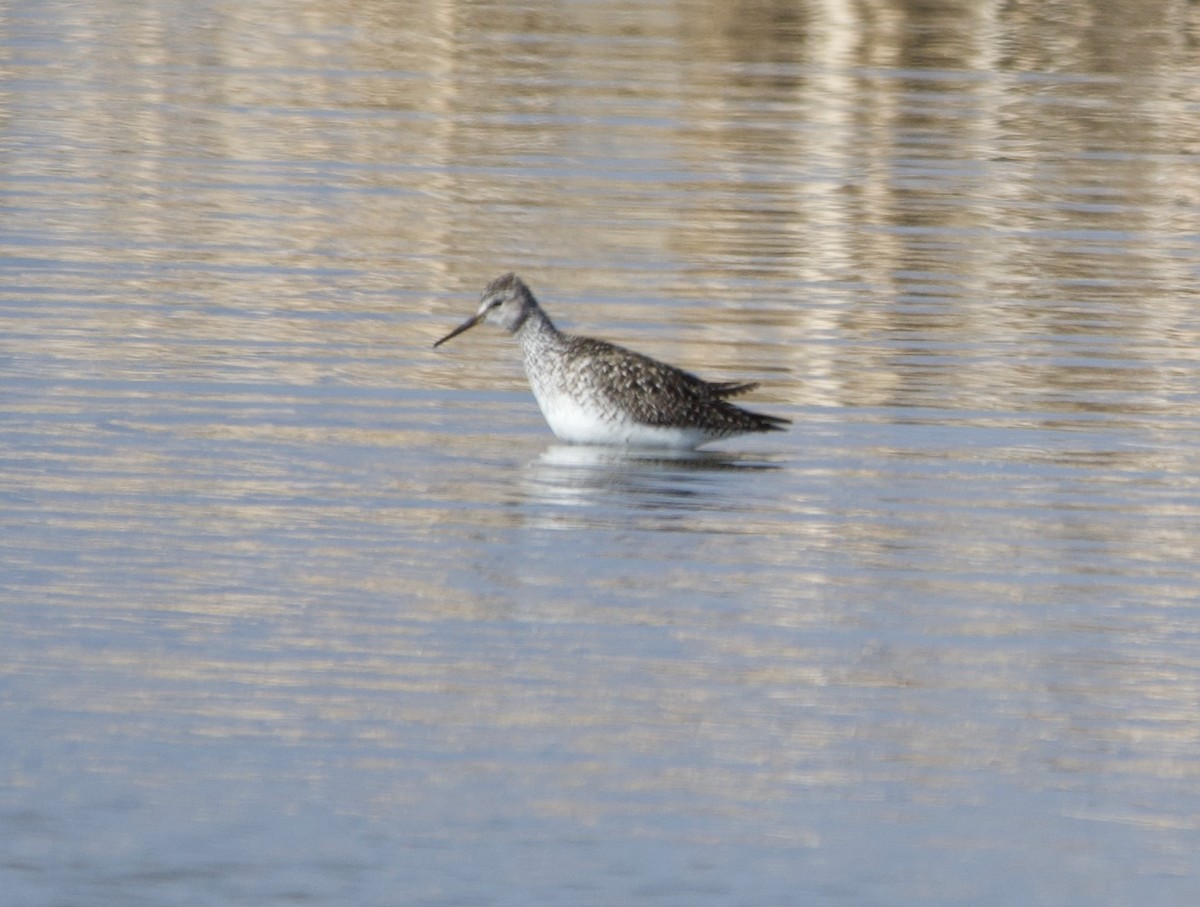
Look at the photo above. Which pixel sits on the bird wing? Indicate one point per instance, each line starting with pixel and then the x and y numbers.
pixel 730 388
pixel 653 392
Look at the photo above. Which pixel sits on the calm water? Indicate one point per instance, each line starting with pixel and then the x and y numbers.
pixel 297 610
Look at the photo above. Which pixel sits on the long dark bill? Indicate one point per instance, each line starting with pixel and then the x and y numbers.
pixel 466 325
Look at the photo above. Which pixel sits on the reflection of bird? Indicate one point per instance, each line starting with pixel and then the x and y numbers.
pixel 593 392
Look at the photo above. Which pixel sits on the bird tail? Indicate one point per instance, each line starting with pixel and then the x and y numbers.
pixel 724 389
pixel 772 423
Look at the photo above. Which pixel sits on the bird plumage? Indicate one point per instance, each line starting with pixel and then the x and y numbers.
pixel 593 391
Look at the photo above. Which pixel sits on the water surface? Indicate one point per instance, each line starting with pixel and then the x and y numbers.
pixel 296 608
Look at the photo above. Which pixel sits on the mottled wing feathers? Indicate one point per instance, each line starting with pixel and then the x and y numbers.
pixel 657 394
pixel 731 388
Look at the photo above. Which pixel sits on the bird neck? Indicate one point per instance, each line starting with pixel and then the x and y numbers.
pixel 537 332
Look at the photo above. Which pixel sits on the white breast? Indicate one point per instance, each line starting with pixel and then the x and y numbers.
pixel 579 424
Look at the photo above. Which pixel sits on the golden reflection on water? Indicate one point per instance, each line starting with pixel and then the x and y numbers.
pixel 962 175
pixel 246 502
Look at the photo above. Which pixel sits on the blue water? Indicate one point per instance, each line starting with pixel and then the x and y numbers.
pixel 294 608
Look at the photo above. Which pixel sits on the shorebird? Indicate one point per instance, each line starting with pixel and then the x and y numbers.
pixel 595 392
